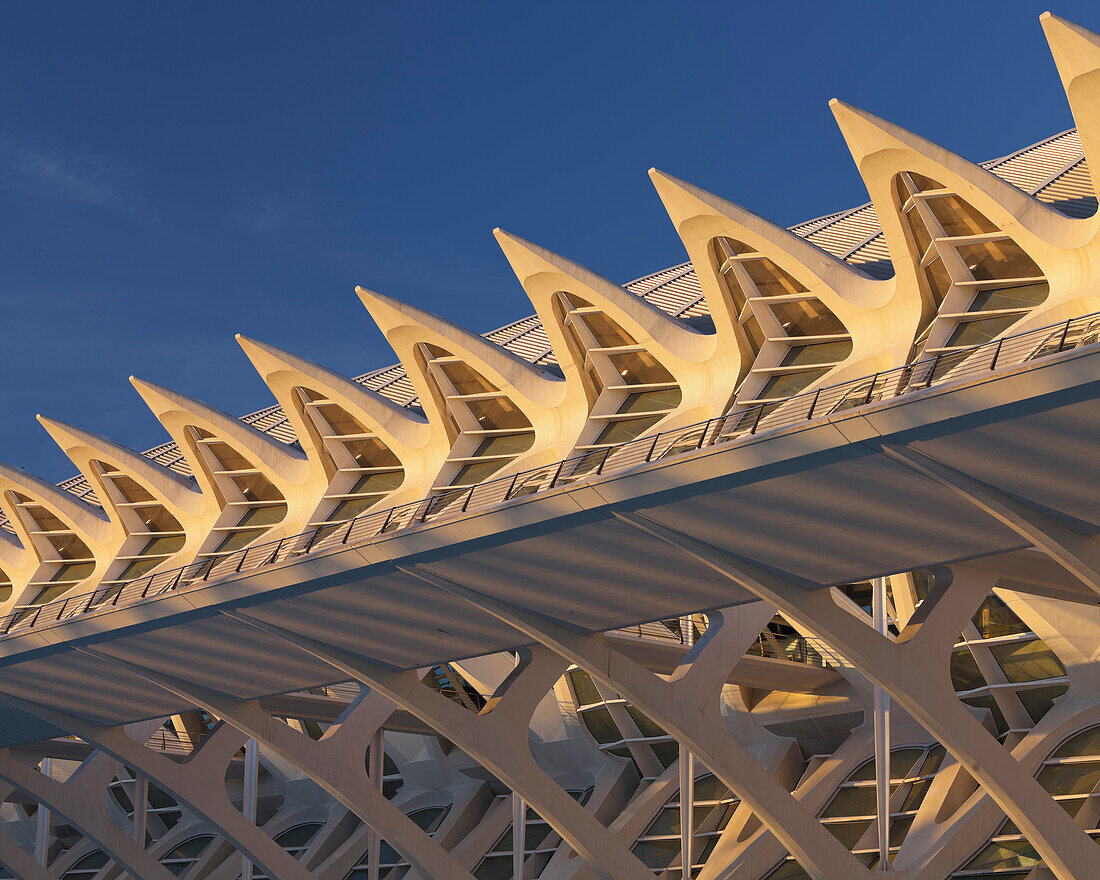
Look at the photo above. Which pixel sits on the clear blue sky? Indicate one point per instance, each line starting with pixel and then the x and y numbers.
pixel 171 174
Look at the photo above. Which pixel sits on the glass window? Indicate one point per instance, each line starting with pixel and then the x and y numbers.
pixel 856 801
pixel 476 472
pixel 87 867
pixel 1022 297
pixel 1070 778
pixel 601 725
pixel 788 384
pixel 498 413
pixel 988 260
pixel 965 675
pixel 625 430
pixel 584 689
pixel 849 833
pixel 983 330
pixel 640 368
pixel 808 317
pixel 939 282
pixel 958 217
pixel 919 231
pixel 922 183
pixel 651 401
pixel 507 444
pixel 464 379
pixel 1083 744
pixel 1008 854
pixel 606 332
pixel 1028 661
pixel 186 854
pixel 645 726
pixel 987 702
pixel 994 619
pixel 770 280
pixel 819 353
pixel 371 452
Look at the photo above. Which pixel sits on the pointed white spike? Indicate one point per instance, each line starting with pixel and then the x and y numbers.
pixel 1076 54
pixel 405 325
pixel 82 446
pixel 881 149
pixel 689 207
pixel 89 522
pixel 650 325
pixel 175 411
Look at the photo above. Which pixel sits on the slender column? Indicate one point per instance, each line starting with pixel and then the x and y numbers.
pixel 519 835
pixel 248 807
pixel 376 772
pixel 882 738
pixel 141 807
pixel 42 825
pixel 20 863
pixel 687 781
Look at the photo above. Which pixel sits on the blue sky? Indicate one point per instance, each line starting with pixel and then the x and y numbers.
pixel 171 174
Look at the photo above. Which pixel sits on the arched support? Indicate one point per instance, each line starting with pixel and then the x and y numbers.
pixel 914 670
pixel 497 739
pixel 16 859
pixel 198 782
pixel 1077 553
pixel 80 802
pixel 688 706
pixel 335 763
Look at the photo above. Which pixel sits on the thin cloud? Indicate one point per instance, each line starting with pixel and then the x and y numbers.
pixel 64 175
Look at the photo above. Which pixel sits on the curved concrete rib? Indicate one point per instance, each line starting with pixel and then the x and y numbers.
pixel 283 465
pixel 198 782
pixel 497 739
pixel 87 522
pixel 16 859
pixel 1076 54
pixel 882 149
pixel 420 445
pixel 335 763
pixel 914 670
pixel 688 707
pixel 80 802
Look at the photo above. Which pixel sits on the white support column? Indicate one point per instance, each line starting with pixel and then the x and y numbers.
pixel 882 737
pixel 141 807
pixel 248 807
pixel 42 828
pixel 519 835
pixel 375 771
pixel 687 781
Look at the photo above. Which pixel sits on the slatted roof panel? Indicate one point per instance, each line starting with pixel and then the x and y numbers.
pixel 1053 170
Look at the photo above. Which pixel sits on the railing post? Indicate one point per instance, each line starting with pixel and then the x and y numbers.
pixel 702 434
pixel 511 488
pixel 389 516
pixel 648 455
pixel 466 500
pixel 61 610
pixel 347 534
pixel 996 354
pixel 606 453
pixel 557 474
pixel 1065 333
pixel 144 592
pixel 932 371
pixel 871 388
pixel 813 405
pixel 759 414
pixel 240 561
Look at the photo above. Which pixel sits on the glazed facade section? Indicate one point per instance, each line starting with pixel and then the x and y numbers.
pixel 557 762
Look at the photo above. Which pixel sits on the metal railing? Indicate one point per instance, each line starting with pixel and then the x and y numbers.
pixel 740 422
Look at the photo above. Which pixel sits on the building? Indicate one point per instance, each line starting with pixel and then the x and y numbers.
pixel 621 581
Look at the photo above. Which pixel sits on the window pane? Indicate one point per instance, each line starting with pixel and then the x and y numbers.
pixel 1039 701
pixel 601 725
pixel 994 619
pixel 506 444
pixel 789 384
pixel 852 802
pixel 628 429
pixel 640 368
pixel 987 260
pixel 583 687
pixel 1085 743
pixel 1028 661
pixel 977 332
pixel 958 217
pixel 965 675
pixel 808 317
pixel 920 232
pixel 1070 778
pixel 849 833
pixel 939 282
pixel 1022 297
pixel 651 401
pixel 498 413
pixel 770 280
pixel 821 353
